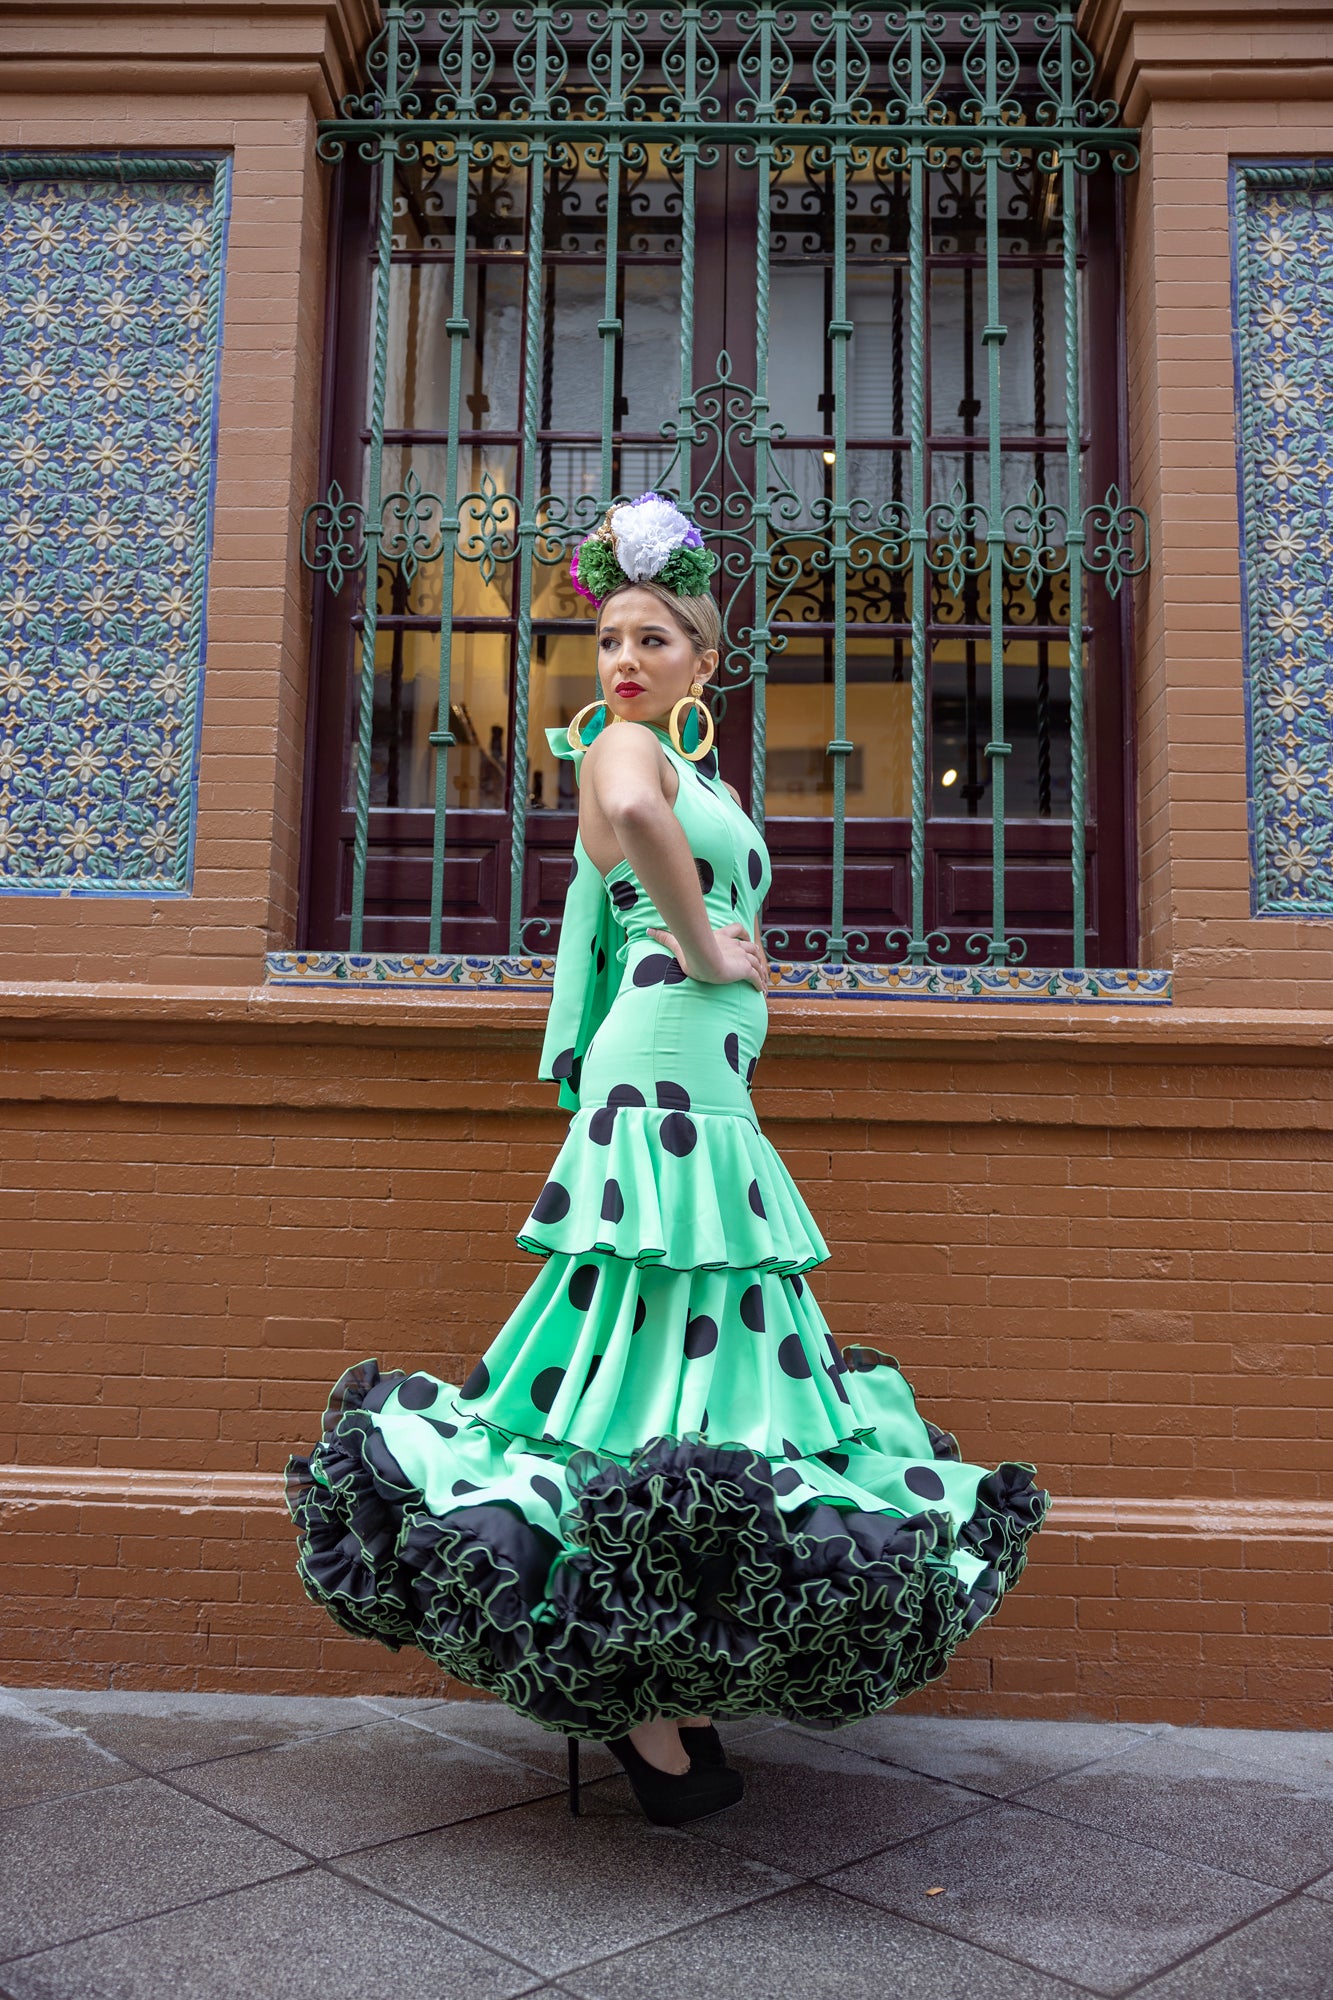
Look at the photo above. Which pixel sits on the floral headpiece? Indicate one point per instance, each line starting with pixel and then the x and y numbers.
pixel 648 540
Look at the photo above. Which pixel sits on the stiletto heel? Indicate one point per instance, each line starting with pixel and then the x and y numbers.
pixel 704 1747
pixel 573 1746
pixel 668 1800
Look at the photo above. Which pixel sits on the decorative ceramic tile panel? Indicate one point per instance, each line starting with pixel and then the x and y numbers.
pixel 421 972
pixel 110 332
pixel 1283 265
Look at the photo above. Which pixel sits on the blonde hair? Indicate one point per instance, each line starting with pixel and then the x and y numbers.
pixel 699 618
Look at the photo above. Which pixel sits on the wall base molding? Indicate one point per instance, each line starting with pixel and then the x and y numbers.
pixel 35 1486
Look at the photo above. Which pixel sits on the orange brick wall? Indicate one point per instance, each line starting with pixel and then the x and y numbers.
pixel 1102 1243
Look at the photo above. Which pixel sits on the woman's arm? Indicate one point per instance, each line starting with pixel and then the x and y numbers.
pixel 624 769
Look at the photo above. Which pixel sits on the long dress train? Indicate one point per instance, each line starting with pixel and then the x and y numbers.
pixel 665 1488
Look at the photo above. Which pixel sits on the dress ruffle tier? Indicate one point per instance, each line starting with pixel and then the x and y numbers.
pixel 669 1184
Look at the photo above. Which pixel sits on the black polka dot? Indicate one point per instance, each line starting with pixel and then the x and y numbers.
pixel 706 877
pixel 659 969
pixel 757 1200
pixel 679 1134
pixel 836 1380
pixel 613 1202
pixel 789 1450
pixel 599 955
pixel 417 1393
pixel 752 1308
pixel 546 1489
pixel 640 1314
pixel 478 1382
pixel 797 1284
pixel 703 1422
pixel 750 1068
pixel 836 1461
pixel 735 897
pixel 547 1387
pixel 588 1378
pixel 792 1358
pixel 754 868
pixel 924 1481
pixel 672 1097
pixel 731 1048
pixel 602 1124
pixel 563 1066
pixel 835 1353
pixel 445 1430
pixel 582 1285
pixel 552 1203
pixel 464 1486
pixel 626 1094
pixel 786 1481
pixel 700 1336
pixel 624 895
pixel 706 766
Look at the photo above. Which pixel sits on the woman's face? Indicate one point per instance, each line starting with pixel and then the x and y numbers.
pixel 644 659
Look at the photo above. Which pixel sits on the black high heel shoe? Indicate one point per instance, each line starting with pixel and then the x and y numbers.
pixel 703 1746
pixel 665 1799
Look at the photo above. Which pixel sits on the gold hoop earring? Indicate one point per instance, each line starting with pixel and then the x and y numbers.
pixel 706 729
pixel 572 735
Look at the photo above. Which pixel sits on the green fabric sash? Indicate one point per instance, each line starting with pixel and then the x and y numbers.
pixel 588 960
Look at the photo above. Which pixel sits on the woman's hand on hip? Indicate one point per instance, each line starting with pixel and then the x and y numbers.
pixel 734 958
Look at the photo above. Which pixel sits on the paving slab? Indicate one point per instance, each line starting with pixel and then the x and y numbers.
pixel 40 1760
pixel 1061 1896
pixel 330 1794
pixel 81 1863
pixel 1304 1753
pixel 995 1757
pixel 554 1891
pixel 161 1732
pixel 1286 1954
pixel 1276 1826
pixel 810 1943
pixel 491 1726
pixel 307 1937
pixel 810 1806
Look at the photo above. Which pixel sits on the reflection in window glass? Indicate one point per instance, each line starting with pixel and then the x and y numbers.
pixel 1036 724
pixel 800 723
pixel 647 359
pixel 420 301
pixel 407 688
pixel 564 678
pixel 1032 396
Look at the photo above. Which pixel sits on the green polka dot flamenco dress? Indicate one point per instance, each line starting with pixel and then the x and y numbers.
pixel 665 1489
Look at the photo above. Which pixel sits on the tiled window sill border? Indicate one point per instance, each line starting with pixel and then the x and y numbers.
pixel 419 973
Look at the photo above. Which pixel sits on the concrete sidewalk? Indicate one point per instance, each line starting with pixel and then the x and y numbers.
pixel 229 1847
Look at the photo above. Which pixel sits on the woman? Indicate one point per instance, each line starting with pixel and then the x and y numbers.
pixel 665 1493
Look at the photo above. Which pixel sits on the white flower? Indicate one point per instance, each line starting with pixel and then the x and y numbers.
pixel 80 839
pixel 1291 779
pixel 86 763
pixel 647 532
pixel 160 841
pixel 1295 860
pixel 176 606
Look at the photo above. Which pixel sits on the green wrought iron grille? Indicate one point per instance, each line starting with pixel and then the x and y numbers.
pixel 565 309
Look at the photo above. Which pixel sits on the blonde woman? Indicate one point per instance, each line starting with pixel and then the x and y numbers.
pixel 665 1493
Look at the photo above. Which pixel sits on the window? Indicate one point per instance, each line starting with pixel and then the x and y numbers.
pixel 834 282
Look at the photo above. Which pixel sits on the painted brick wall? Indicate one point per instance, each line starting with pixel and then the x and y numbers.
pixel 1111 1257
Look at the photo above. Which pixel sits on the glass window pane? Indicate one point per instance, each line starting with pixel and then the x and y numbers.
pixel 800 722
pixel 564 677
pixel 420 302
pixel 407 688
pixel 650 355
